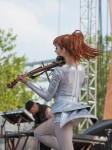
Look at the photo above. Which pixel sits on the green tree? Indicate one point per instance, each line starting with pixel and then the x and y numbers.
pixel 104 45
pixel 10 67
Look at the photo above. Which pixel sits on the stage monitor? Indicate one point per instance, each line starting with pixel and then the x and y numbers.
pixel 99 128
pixel 18 116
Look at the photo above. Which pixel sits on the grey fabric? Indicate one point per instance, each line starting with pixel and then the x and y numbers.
pixel 45 134
pixel 64 136
pixel 65 86
pixel 62 83
pixel 55 137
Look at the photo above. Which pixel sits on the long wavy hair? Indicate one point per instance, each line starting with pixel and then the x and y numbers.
pixel 76 47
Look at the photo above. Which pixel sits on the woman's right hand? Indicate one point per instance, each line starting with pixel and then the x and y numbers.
pixel 21 78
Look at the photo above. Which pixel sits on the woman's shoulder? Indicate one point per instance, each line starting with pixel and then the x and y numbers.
pixel 61 69
pixel 81 67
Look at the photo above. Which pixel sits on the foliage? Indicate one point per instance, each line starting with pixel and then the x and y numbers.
pixel 103 71
pixel 103 61
pixel 10 67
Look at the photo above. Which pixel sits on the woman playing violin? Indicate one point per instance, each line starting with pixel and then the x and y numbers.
pixel 65 86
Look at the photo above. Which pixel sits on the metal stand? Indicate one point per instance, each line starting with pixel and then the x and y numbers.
pixel 12 138
pixel 12 142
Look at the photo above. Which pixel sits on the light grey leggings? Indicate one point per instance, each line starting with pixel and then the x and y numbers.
pixel 55 137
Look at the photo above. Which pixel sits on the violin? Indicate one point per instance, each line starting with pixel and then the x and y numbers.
pixel 59 62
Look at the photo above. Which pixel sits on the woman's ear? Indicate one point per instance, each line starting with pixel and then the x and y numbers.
pixel 63 49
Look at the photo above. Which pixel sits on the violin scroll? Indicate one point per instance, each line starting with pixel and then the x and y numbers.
pixel 12 84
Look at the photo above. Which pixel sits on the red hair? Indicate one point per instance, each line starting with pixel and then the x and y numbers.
pixel 74 44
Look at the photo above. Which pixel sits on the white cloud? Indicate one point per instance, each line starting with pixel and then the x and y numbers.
pixel 26 25
pixel 36 24
pixel 21 20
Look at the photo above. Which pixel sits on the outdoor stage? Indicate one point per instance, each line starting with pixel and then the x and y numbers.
pixel 96 137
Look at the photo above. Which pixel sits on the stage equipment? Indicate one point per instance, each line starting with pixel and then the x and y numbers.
pixel 98 136
pixel 59 62
pixel 100 128
pixel 89 142
pixel 81 142
pixel 18 116
pixel 12 139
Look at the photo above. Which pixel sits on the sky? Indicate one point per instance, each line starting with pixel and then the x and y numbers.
pixel 37 22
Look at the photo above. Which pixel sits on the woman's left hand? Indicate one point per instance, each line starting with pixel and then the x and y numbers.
pixel 21 78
